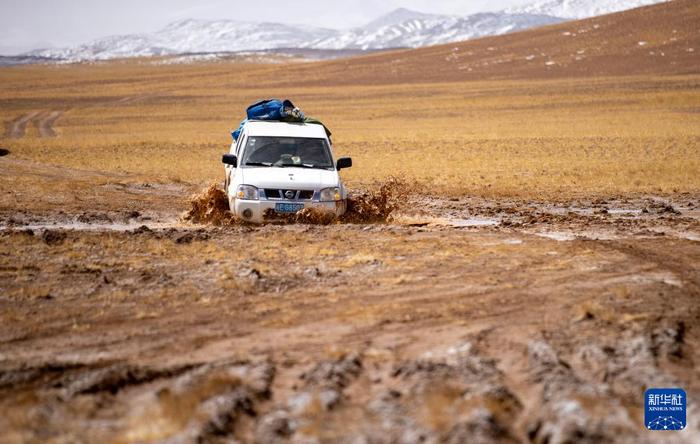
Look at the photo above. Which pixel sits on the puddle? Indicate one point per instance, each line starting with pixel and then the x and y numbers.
pixel 681 235
pixel 557 236
pixel 473 222
pixel 81 226
pixel 666 278
pixel 584 211
pixel 511 241
pixel 589 211
pixel 422 221
pixel 464 223
pixel 624 211
pixel 564 236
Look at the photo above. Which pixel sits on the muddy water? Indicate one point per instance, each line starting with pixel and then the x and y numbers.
pixel 378 203
pixel 84 226
pixel 396 202
pixel 210 207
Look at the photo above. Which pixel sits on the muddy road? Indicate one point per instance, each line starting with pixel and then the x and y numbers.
pixel 44 120
pixel 458 320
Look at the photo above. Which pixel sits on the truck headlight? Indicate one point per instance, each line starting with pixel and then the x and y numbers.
pixel 247 192
pixel 330 194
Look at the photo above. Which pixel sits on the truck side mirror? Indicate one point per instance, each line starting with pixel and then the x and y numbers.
pixel 230 159
pixel 343 162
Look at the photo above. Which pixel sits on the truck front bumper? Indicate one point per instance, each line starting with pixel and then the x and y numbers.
pixel 254 210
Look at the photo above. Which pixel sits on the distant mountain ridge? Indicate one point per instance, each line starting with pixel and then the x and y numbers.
pixel 433 30
pixel 193 36
pixel 397 29
pixel 579 9
pixel 397 16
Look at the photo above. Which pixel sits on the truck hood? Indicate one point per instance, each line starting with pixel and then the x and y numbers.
pixel 289 178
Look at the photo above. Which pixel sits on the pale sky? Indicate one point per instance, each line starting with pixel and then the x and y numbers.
pixel 32 24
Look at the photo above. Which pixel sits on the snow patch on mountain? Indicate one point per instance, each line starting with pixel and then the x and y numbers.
pixel 399 16
pixel 193 36
pixel 433 30
pixel 578 9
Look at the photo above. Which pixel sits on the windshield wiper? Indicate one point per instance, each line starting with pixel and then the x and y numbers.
pixel 263 164
pixel 304 165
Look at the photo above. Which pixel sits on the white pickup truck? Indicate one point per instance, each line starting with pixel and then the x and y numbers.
pixel 281 167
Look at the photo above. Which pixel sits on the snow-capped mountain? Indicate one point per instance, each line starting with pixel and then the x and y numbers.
pixel 578 9
pixel 399 16
pixel 193 36
pixel 432 30
pixel 398 29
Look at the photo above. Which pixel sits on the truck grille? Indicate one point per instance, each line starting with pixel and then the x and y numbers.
pixel 273 193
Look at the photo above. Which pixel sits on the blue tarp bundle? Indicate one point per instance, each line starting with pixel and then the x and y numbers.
pixel 276 110
pixel 271 109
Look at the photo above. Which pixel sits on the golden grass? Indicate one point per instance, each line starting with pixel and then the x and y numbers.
pixel 553 138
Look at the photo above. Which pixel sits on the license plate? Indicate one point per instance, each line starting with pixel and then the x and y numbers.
pixel 288 207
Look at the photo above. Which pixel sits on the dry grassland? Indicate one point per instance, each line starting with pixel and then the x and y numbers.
pixel 544 138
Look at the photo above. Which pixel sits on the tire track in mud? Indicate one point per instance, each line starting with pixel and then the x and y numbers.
pixel 676 265
pixel 128 100
pixel 44 123
pixel 15 129
pixel 44 120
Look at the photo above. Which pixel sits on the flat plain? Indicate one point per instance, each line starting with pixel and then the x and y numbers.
pixel 542 271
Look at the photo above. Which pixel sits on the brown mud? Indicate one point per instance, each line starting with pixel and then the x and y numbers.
pixel 426 319
pixel 210 207
pixel 384 332
pixel 377 204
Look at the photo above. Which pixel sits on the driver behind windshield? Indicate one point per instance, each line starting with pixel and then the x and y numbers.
pixel 312 152
pixel 286 151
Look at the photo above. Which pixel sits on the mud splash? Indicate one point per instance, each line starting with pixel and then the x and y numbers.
pixel 374 205
pixel 210 207
pixel 378 205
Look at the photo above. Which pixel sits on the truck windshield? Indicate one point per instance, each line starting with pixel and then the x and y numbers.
pixel 301 152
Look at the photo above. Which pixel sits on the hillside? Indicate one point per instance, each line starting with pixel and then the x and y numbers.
pixel 657 39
